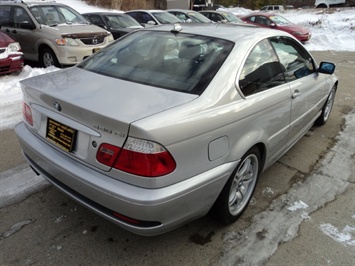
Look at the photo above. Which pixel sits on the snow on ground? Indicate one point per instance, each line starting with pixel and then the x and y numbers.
pixel 332 29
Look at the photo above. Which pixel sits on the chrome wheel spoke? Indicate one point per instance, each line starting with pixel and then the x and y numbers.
pixel 243 184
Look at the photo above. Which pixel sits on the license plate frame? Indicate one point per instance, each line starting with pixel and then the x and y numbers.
pixel 60 135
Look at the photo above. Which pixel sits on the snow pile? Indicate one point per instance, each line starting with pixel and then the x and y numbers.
pixel 332 29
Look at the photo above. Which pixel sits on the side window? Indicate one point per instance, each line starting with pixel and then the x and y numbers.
pixel 215 17
pixel 208 16
pixel 5 12
pixel 261 70
pixel 295 59
pixel 135 15
pixel 38 14
pixel 181 16
pixel 97 20
pixel 263 20
pixel 252 19
pixel 147 17
pixel 20 16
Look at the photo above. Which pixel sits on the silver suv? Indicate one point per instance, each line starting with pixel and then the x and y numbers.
pixel 51 33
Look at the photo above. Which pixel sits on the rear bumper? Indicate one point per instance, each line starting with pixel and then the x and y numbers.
pixel 163 209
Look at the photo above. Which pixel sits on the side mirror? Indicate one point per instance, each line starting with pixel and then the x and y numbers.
pixel 151 22
pixel 28 26
pixel 326 68
pixel 273 25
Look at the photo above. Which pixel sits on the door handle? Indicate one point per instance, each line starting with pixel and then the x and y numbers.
pixel 296 94
pixel 13 31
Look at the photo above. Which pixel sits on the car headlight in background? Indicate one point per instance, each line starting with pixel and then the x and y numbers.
pixel 14 48
pixel 110 38
pixel 296 33
pixel 66 41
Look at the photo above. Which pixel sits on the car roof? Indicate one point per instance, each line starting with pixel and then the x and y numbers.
pixel 182 10
pixel 227 31
pixel 104 13
pixel 147 10
pixel 265 14
pixel 214 11
pixel 32 3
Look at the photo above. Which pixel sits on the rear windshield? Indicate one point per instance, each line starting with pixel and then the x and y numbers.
pixel 179 62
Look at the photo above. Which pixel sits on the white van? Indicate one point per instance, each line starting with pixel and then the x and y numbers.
pixel 273 8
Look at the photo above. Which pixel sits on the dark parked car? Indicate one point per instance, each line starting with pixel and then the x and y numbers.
pixel 221 16
pixel 189 16
pixel 153 17
pixel 118 24
pixel 275 21
pixel 11 56
pixel 174 121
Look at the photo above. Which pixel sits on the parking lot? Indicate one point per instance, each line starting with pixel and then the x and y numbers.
pixel 283 223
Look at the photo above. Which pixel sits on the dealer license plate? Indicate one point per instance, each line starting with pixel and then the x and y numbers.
pixel 60 135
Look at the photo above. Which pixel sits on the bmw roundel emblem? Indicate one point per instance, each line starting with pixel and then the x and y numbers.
pixel 57 106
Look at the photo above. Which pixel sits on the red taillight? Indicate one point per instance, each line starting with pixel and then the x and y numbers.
pixel 138 157
pixel 27 113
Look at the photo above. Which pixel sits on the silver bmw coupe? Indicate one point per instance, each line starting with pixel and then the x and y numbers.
pixel 171 122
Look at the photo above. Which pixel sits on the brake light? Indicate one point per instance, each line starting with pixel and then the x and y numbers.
pixel 138 157
pixel 27 113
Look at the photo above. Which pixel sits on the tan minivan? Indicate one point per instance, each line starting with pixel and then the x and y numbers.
pixel 50 32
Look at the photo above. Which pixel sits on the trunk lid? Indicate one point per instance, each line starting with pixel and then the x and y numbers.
pixel 99 108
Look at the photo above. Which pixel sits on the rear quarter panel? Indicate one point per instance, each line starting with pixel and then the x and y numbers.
pixel 220 112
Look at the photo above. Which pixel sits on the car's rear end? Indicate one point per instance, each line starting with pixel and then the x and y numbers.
pixel 116 139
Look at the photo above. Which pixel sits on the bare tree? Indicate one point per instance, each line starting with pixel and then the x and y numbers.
pixel 116 4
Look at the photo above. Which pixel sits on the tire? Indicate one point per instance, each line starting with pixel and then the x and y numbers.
pixel 327 108
pixel 239 189
pixel 48 58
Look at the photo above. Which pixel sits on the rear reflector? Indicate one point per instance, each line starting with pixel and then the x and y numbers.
pixel 27 113
pixel 135 222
